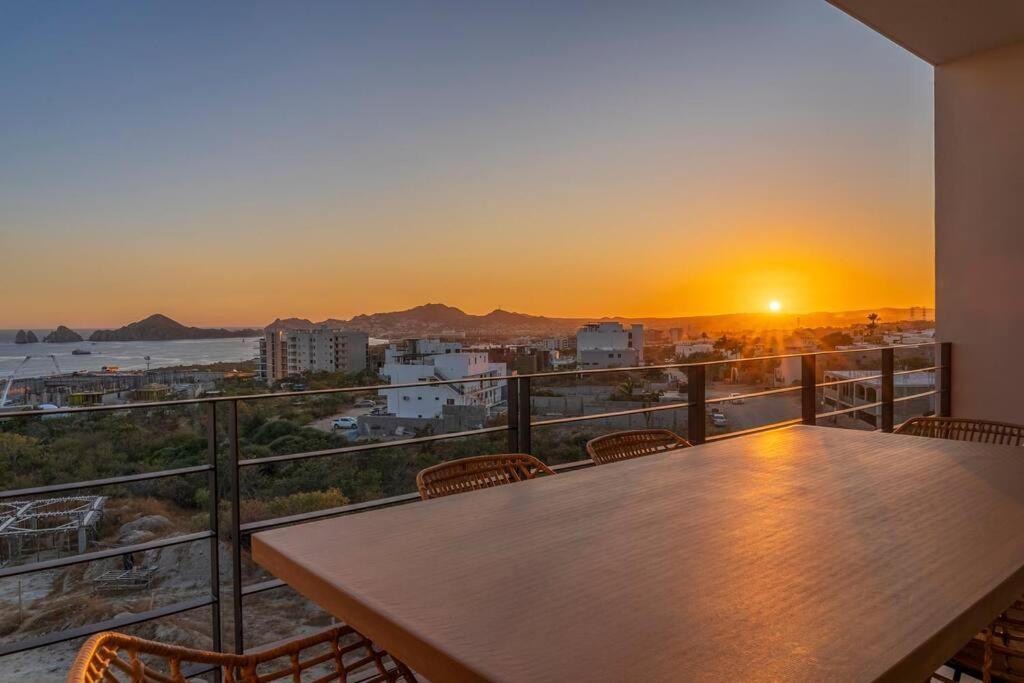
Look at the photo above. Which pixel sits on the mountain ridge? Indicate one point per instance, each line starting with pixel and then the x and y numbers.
pixel 159 327
pixel 436 318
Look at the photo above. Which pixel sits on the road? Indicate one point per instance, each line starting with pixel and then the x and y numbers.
pixel 324 423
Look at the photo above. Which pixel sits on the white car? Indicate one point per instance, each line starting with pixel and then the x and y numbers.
pixel 735 398
pixel 344 423
pixel 718 419
pixel 365 403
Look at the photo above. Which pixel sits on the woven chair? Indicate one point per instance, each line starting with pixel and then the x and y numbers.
pixel 997 653
pixel 960 429
pixel 337 654
pixel 479 472
pixel 633 444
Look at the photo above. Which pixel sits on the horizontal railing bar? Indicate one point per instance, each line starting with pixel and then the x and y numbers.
pixel 411 385
pixel 867 378
pixel 377 445
pixel 263 586
pixel 114 624
pixel 601 416
pixel 262 525
pixel 82 558
pixel 755 430
pixel 911 372
pixel 911 397
pixel 864 407
pixel 756 394
pixel 98 483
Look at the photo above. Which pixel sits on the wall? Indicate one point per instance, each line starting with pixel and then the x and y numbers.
pixel 979 228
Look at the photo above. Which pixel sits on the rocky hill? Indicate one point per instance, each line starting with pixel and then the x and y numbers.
pixel 161 328
pixel 62 335
pixel 24 337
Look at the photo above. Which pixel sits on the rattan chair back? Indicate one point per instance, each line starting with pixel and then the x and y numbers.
pixel 339 654
pixel 478 472
pixel 961 429
pixel 633 444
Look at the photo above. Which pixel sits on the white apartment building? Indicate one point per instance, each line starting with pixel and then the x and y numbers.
pixel 609 345
pixel 430 360
pixel 286 352
pixel 687 347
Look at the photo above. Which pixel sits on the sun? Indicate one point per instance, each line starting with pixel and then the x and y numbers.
pixel 774 306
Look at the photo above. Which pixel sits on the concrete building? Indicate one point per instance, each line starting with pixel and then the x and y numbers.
pixel 285 352
pixel 977 51
pixel 867 391
pixel 431 360
pixel 687 347
pixel 609 345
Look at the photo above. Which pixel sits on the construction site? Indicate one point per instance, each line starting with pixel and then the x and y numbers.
pixel 35 530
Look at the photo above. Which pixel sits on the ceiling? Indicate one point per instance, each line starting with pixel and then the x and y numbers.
pixel 941 31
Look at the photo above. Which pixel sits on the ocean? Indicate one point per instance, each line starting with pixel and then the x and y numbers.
pixel 125 355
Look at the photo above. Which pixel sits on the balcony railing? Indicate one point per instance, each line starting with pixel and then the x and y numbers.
pixel 518 431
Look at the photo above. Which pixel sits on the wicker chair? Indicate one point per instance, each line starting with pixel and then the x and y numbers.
pixel 479 472
pixel 337 654
pixel 633 444
pixel 959 429
pixel 997 653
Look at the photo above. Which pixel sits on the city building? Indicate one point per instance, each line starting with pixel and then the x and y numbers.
pixel 609 345
pixel 431 360
pixel 687 347
pixel 862 387
pixel 285 351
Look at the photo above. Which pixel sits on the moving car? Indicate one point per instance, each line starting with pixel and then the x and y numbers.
pixel 735 398
pixel 344 423
pixel 718 419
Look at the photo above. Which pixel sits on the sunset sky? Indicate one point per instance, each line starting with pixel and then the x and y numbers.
pixel 229 163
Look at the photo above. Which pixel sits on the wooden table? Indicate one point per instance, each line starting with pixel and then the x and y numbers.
pixel 807 554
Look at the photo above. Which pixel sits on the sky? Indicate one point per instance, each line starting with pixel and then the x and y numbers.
pixel 230 163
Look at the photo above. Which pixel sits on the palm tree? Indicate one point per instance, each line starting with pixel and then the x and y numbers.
pixel 872 322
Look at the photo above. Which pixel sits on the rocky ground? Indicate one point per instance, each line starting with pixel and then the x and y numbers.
pixel 36 604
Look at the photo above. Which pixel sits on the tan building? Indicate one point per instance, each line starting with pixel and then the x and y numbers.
pixel 285 352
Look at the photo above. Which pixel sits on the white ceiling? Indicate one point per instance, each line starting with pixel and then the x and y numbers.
pixel 940 31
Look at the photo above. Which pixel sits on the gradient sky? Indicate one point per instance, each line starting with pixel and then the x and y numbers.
pixel 229 163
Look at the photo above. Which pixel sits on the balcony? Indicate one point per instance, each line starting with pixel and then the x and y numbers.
pixel 221 600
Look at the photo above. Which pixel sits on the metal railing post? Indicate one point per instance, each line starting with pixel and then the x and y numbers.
pixel 888 390
pixel 945 407
pixel 513 415
pixel 808 390
pixel 523 428
pixel 214 508
pixel 696 395
pixel 236 526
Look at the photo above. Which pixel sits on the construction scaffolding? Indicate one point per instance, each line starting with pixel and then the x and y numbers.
pixel 48 526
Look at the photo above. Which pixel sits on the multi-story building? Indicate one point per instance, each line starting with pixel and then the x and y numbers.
pixel 687 347
pixel 431 360
pixel 609 345
pixel 285 352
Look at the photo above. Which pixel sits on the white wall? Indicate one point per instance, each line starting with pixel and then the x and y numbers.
pixel 979 228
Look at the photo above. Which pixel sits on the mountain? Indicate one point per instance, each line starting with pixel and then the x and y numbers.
pixel 24 337
pixel 63 335
pixel 439 319
pixel 161 328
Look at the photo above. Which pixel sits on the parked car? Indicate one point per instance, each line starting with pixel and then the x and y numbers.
pixel 718 419
pixel 345 423
pixel 735 398
pixel 365 403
